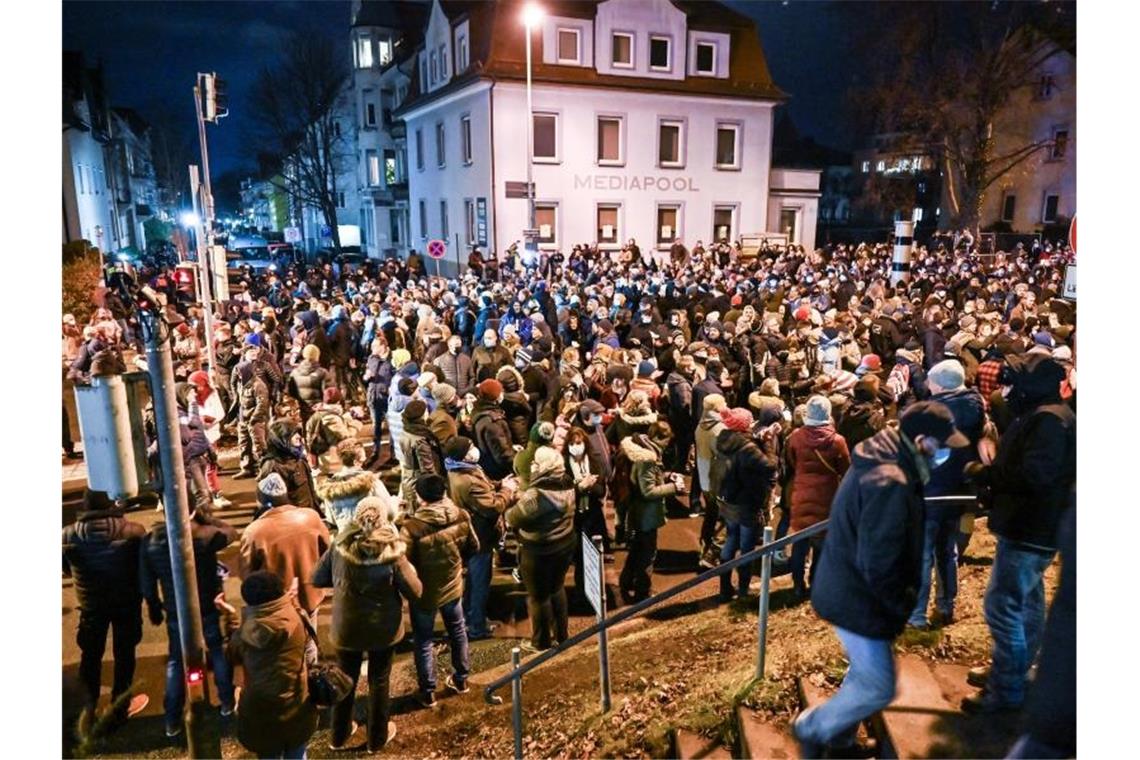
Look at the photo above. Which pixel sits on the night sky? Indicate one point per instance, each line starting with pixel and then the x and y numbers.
pixel 152 50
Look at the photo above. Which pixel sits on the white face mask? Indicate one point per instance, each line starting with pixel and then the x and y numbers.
pixel 577 449
pixel 489 342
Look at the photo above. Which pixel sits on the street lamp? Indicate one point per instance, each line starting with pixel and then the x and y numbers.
pixel 531 17
pixel 189 219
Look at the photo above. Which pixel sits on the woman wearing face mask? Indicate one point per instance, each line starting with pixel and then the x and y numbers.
pixel 585 469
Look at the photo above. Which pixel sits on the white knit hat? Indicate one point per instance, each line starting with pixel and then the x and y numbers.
pixel 817 411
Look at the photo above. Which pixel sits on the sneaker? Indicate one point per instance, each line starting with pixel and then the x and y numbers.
pixel 977 677
pixel 708 560
pixel 347 739
pixel 137 704
pixel 426 699
pixel 459 687
pixel 529 649
pixel 221 502
pixel 515 575
pixel 985 703
pixel 173 731
pixel 227 710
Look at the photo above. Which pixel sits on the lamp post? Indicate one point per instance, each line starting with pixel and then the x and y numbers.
pixel 532 15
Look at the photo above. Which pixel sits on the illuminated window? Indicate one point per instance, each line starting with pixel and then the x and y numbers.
pixel 546 220
pixel 667 224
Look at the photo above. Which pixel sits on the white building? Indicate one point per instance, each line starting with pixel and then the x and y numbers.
pixel 135 181
pixel 652 121
pixel 88 200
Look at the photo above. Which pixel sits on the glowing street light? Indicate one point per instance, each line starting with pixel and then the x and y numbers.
pixel 532 15
pixel 189 219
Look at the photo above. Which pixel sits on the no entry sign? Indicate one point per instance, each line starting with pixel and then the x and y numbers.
pixel 437 249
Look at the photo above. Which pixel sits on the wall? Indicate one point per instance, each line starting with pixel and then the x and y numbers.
pixel 85 210
pixel 642 18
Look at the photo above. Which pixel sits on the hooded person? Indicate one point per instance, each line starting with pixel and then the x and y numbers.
pixel 864 415
pixel 491 432
pixel 285 456
pixel 345 489
pixel 515 405
pixel 439 537
pixel 442 420
pixel 635 416
pixel 308 380
pixel 709 426
pixel 420 452
pixel 402 393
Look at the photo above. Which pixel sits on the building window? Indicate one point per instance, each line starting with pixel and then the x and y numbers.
pixel 469 219
pixel 622 50
pixel 546 137
pixel 1045 86
pixel 443 65
pixel 881 166
pixel 423 219
pixel 706 58
pixel 363 226
pixel 440 146
pixel 866 166
pixel 461 54
pixel 336 129
pixel 394 226
pixel 363 53
pixel 917 214
pixel 434 68
pixel 373 168
pixel 370 114
pixel 568 46
pixel 659 53
pixel 443 219
pixel 667 224
pixel 465 138
pixel 608 233
pixel 727 138
pixel 723 222
pixel 669 141
pixel 385 47
pixel 391 171
pixel 423 74
pixel 1008 206
pixel 1060 144
pixel 340 199
pixel 420 149
pixel 609 140
pixel 546 220
pixel 1049 210
pixel 788 223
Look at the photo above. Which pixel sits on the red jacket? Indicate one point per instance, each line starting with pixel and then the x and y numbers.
pixel 817 459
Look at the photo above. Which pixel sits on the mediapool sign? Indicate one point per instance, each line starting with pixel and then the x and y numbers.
pixel 620 182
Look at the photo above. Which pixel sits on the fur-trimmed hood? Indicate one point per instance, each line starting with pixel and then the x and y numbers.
pixel 645 419
pixel 356 485
pixel 380 547
pixel 636 453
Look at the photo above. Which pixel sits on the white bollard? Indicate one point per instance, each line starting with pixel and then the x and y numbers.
pixel 904 245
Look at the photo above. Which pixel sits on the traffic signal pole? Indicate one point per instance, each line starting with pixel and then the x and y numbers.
pixel 203 738
pixel 204 280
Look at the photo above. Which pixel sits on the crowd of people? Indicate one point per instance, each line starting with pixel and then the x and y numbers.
pixel 519 403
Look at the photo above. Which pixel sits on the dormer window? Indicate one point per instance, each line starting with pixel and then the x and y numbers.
pixel 443 62
pixel 706 58
pixel 385 48
pixel 434 65
pixel 461 61
pixel 660 54
pixel 622 50
pixel 363 53
pixel 569 50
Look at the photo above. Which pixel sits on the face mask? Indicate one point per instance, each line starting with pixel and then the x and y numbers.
pixel 577 449
pixel 489 342
pixel 940 457
pixel 472 456
pixel 595 421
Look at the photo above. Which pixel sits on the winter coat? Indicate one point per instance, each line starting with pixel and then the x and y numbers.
pixel 421 456
pixel 706 387
pixel 970 418
pixel 368 573
pixel 860 420
pixel 544 514
pixel 869 570
pixel 101 553
pixel 378 373
pixel 343 491
pixel 442 425
pixel 520 417
pixel 253 398
pixel 471 489
pixel 208 536
pixel 439 536
pixel 625 424
pixel 395 417
pixel 457 371
pixel 680 390
pixel 747 479
pixel 817 457
pixel 307 384
pixel 287 541
pixel 274 711
pixel 340 336
pixel 291 466
pixel 707 430
pixel 647 500
pixel 486 362
pixel 493 439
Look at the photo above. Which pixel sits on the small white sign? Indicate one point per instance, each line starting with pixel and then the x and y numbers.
pixel 292 234
pixel 1070 290
pixel 592 573
pixel 667 232
pixel 544 231
pixel 607 231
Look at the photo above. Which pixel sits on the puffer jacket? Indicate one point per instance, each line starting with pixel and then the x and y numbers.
pixel 343 491
pixel 817 457
pixel 749 474
pixel 395 417
pixel 544 513
pixel 307 384
pixel 208 536
pixel 274 711
pixel 368 573
pixel 472 490
pixel 707 430
pixel 378 373
pixel 101 553
pixel 421 456
pixel 493 439
pixel 486 362
pixel 969 415
pixel 860 420
pixel 290 465
pixel 869 570
pixel 457 371
pixel 439 536
pixel 647 502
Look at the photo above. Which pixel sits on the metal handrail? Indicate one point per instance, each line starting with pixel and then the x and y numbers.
pixel 624 614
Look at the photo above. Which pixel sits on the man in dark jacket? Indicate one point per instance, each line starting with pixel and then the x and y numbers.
pixel 492 434
pixel 439 536
pixel 1030 478
pixel 456 365
pixel 101 553
pixel 869 569
pixel 947 494
pixel 682 418
pixel 208 536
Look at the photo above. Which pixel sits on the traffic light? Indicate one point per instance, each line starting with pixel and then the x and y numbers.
pixel 216 101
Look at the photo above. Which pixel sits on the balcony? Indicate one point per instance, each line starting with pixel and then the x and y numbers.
pixel 398 129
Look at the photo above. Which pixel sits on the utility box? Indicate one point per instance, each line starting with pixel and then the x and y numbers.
pixel 113 429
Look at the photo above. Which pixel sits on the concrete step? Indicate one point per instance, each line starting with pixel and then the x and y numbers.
pixel 760 739
pixel 921 719
pixel 688 745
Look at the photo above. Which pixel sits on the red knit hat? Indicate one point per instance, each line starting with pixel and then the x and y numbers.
pixel 802 314
pixel 871 362
pixel 737 419
pixel 490 389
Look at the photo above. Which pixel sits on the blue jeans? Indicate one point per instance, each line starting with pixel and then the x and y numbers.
pixel 174 700
pixel 476 592
pixel 939 553
pixel 868 687
pixel 740 536
pixel 379 409
pixel 423 626
pixel 1015 613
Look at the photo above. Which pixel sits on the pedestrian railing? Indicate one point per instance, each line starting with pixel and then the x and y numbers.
pixel 764 553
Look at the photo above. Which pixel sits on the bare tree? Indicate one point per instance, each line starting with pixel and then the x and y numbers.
pixel 946 72
pixel 295 105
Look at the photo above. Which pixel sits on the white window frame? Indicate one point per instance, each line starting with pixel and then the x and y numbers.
pixel 552 243
pixel 423 219
pixel 577 59
pixel 668 52
pixel 737 129
pixel 680 124
pixel 465 138
pixel 732 207
pixel 620 119
pixel 434 68
pixel 881 166
pixel 1045 206
pixel 557 157
pixel 340 199
pixel 440 145
pixel 866 167
pixel 677 230
pixel 443 62
pixel 469 219
pixel 384 46
pixel 462 61
pixel 632 50
pixel 444 227
pixel 1004 198
pixel 697 57
pixel 616 242
pixel 419 149
pixel 372 160
pixel 369 112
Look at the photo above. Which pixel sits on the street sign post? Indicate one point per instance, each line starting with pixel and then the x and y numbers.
pixel 292 234
pixel 594 581
pixel 437 249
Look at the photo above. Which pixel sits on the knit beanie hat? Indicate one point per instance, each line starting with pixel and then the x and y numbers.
pixel 490 389
pixel 400 357
pixel 415 410
pixel 443 393
pixel 547 461
pixel 817 411
pixel 737 419
pixel 542 432
pixel 271 490
pixel 869 363
pixel 431 487
pixel 426 380
pixel 311 352
pixel 261 587
pixel 948 375
pixel 332 395
pixel 457 448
